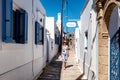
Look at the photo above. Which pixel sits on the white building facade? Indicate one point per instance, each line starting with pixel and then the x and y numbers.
pixel 53 35
pixel 87 38
pixel 99 41
pixel 59 22
pixel 22 39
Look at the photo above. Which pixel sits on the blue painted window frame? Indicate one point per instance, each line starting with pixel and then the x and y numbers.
pixel 24 27
pixel 42 35
pixel 39 33
pixel 56 39
pixel 7 24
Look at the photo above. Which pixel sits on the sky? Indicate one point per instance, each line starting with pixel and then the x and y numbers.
pixel 72 10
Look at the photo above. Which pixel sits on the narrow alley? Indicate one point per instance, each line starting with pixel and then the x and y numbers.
pixel 55 70
pixel 34 33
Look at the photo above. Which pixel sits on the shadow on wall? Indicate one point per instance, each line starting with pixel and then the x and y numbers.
pixel 81 76
pixel 90 75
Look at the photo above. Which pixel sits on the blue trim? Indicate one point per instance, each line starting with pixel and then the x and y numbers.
pixel 37 33
pixel 42 35
pixel 56 39
pixel 43 32
pixel 7 21
pixel 17 26
pixel 3 21
pixel 21 26
pixel 25 27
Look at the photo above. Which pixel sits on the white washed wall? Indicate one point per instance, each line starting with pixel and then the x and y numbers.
pixel 39 51
pixel 58 23
pixel 48 46
pixel 14 55
pixel 53 49
pixel 85 24
pixel 23 61
pixel 77 43
pixel 93 46
pixel 51 55
pixel 50 26
pixel 85 16
pixel 89 57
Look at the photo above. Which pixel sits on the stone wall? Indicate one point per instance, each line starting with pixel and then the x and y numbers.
pixel 104 9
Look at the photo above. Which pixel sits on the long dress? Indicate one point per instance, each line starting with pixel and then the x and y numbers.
pixel 64 53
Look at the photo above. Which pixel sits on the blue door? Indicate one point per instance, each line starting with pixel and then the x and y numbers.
pixel 115 57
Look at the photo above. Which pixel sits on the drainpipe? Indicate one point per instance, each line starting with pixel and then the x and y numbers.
pixel 33 17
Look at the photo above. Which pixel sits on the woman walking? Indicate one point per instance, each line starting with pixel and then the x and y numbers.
pixel 65 53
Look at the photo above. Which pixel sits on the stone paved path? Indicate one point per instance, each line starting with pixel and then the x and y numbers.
pixel 72 71
pixel 55 71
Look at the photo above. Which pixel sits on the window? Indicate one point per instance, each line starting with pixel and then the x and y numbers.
pixel 39 34
pixel 20 26
pixel 15 24
pixel 56 39
pixel 86 40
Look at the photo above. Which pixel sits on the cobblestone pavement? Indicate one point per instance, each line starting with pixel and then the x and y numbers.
pixel 55 71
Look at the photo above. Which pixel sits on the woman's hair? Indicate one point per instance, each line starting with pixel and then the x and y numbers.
pixel 65 42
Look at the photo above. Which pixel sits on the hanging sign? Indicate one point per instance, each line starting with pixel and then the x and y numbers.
pixel 71 24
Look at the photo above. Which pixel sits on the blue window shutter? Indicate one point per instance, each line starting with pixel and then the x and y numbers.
pixel 37 33
pixel 24 27
pixel 3 21
pixel 42 35
pixel 58 40
pixel 17 26
pixel 8 21
pixel 55 39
